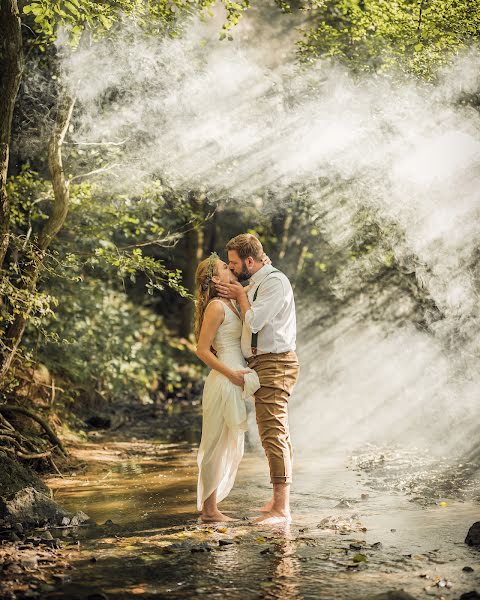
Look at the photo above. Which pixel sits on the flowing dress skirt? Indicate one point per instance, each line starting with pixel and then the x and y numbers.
pixel 224 422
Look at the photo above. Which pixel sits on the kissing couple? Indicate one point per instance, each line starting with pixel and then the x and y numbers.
pixel 246 335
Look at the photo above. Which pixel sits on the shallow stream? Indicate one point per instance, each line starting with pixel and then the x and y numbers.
pixel 362 525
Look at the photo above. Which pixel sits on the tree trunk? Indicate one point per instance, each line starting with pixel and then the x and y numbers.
pixel 11 69
pixel 50 229
pixel 193 254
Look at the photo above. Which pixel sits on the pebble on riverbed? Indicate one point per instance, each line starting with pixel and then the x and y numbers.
pixel 473 535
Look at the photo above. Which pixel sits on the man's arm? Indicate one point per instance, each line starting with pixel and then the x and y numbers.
pixel 268 303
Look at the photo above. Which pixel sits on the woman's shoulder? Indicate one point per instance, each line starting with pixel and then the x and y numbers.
pixel 215 307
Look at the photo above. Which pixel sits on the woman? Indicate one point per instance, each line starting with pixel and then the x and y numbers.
pixel 218 327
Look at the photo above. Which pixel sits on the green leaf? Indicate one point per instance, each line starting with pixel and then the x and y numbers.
pixel 106 22
pixel 72 8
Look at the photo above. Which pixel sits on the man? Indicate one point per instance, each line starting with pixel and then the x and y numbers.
pixel 268 344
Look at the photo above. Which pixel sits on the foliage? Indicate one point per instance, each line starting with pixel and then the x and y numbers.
pixel 413 36
pixel 88 272
pixel 100 339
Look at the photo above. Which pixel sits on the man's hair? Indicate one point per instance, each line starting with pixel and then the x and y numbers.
pixel 246 245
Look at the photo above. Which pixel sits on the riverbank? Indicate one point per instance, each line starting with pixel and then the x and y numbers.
pixel 348 539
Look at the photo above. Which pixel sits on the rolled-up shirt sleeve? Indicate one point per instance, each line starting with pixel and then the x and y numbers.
pixel 268 303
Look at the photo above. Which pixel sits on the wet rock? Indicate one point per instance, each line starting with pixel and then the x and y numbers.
pixel 24 499
pixel 79 518
pixel 392 595
pixel 377 546
pixel 203 547
pixel 355 546
pixel 470 596
pixel 343 504
pixel 97 596
pixel 30 507
pixel 46 535
pixel 473 535
pixel 225 542
pixel 109 523
pixel 65 521
pixel 359 558
pixel 467 569
pixel 266 551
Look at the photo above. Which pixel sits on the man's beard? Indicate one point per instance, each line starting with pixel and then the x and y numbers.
pixel 244 275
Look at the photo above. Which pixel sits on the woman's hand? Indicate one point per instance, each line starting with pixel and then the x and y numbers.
pixel 266 259
pixel 237 377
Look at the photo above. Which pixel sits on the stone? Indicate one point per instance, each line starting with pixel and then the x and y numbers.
pixel 473 535
pixel 29 562
pixel 470 596
pixel 79 518
pixel 225 542
pixel 30 506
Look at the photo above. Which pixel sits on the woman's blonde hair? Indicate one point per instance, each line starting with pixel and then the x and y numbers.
pixel 205 289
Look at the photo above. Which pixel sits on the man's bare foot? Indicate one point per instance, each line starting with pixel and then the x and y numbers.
pixel 266 507
pixel 215 517
pixel 274 518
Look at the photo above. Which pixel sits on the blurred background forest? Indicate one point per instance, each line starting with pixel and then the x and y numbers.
pixel 96 307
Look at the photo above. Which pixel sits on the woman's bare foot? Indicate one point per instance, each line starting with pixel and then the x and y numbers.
pixel 215 517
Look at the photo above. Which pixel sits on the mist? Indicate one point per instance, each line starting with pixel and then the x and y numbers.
pixel 234 119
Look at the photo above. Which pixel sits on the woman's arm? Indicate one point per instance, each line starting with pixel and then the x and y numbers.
pixel 212 319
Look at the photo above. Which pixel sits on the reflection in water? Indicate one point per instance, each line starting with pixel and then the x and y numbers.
pixel 156 547
pixel 286 574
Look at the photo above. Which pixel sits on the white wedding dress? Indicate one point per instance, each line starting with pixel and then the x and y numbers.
pixel 224 415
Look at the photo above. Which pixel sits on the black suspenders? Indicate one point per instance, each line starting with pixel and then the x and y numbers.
pixel 255 335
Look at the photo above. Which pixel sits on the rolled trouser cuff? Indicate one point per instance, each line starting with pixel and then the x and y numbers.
pixel 280 479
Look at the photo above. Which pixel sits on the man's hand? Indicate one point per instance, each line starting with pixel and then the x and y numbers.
pixel 232 291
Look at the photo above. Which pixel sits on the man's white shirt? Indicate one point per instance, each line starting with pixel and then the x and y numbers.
pixel 272 315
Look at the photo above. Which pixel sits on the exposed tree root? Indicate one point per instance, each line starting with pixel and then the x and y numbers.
pixel 23 445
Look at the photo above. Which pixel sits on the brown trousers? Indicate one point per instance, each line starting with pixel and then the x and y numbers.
pixel 278 374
